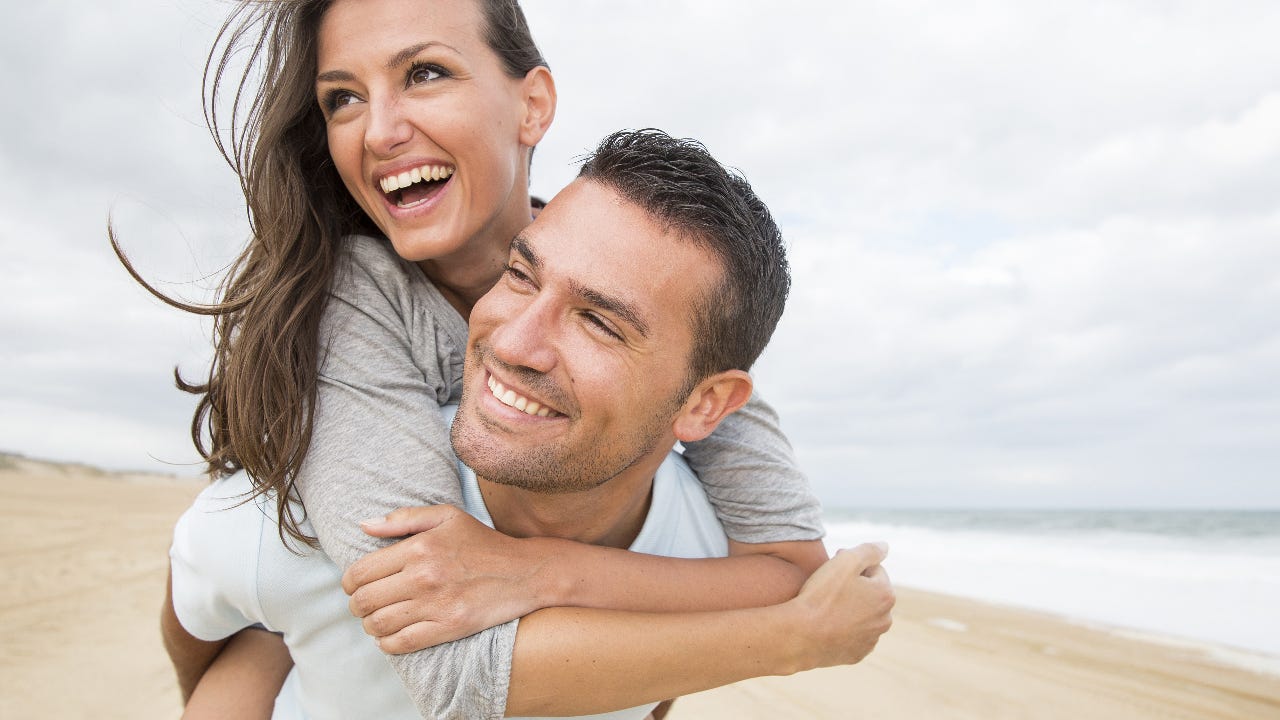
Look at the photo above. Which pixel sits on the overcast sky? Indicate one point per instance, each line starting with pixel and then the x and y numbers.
pixel 1036 246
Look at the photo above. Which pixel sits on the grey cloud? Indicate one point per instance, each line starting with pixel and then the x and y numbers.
pixel 1034 248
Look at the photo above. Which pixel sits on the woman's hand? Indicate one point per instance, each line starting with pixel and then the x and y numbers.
pixel 844 607
pixel 451 578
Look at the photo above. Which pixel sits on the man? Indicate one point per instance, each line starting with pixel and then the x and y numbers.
pixel 581 374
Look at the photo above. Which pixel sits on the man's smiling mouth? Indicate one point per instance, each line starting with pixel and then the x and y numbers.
pixel 416 186
pixel 510 397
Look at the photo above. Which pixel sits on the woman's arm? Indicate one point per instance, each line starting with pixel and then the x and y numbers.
pixel 393 351
pixel 571 661
pixel 390 346
pixel 243 680
pixel 457 576
pixel 751 476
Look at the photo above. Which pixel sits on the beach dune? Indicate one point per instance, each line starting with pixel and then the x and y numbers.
pixel 84 554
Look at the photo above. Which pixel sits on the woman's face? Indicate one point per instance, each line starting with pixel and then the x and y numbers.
pixel 428 132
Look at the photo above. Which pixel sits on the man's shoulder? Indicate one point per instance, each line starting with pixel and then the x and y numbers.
pixel 675 477
pixel 674 462
pixel 230 498
pixel 230 510
pixel 682 521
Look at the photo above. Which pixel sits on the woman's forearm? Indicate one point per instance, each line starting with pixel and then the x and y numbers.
pixel 575 661
pixel 599 577
pixel 571 661
pixel 456 576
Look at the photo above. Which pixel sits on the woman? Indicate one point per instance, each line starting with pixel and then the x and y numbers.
pixel 415 122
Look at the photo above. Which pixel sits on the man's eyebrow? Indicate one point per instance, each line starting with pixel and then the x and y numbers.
pixel 394 62
pixel 521 245
pixel 617 306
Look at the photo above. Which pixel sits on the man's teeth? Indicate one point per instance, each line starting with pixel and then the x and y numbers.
pixel 391 183
pixel 509 397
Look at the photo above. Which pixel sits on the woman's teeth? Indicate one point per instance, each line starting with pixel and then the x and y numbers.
pixel 519 402
pixel 391 183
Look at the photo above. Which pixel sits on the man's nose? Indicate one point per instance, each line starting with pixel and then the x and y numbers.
pixel 527 337
pixel 389 127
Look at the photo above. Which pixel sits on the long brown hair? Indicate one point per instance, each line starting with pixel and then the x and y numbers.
pixel 255 406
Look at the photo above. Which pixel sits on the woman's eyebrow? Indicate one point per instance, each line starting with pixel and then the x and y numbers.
pixel 395 61
pixel 412 51
pixel 335 76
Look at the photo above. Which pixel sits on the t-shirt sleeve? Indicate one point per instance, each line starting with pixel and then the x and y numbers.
pixel 751 476
pixel 387 361
pixel 213 560
pixel 392 352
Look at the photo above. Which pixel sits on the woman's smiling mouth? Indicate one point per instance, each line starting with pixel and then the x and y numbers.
pixel 414 187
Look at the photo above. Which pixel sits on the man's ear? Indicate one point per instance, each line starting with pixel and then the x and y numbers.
pixel 715 398
pixel 538 89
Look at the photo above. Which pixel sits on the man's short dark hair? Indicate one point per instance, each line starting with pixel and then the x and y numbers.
pixel 678 182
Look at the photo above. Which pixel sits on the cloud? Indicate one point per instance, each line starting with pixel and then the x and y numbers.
pixel 1033 246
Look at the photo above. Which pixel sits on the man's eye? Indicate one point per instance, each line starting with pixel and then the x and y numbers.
pixel 516 274
pixel 602 326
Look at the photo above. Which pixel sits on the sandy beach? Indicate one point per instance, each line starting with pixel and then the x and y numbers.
pixel 83 555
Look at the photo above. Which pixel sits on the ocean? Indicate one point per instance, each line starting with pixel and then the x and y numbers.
pixel 1210 578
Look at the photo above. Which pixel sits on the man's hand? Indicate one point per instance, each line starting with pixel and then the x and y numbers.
pixel 452 578
pixel 845 607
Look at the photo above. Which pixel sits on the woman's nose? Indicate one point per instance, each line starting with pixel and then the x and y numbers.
pixel 388 128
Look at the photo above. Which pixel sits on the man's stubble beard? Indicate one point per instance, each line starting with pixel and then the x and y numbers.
pixel 557 468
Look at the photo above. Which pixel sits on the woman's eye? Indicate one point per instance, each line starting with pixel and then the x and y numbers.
pixel 336 99
pixel 425 73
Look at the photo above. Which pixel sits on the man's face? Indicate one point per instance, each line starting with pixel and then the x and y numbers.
pixel 577 355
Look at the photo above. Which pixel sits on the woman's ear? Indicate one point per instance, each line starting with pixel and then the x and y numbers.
pixel 714 399
pixel 538 90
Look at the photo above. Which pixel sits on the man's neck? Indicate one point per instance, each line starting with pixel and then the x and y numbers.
pixel 611 514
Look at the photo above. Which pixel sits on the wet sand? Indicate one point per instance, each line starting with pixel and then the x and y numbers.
pixel 956 659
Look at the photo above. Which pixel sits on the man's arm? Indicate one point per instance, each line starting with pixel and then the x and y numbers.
pixel 190 656
pixel 211 605
pixel 243 680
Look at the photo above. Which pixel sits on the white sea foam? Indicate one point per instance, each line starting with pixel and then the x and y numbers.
pixel 949 624
pixel 1219 590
